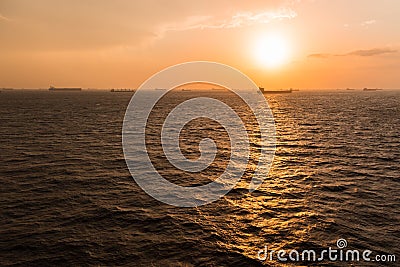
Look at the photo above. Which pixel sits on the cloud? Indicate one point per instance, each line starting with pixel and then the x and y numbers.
pixel 361 53
pixel 319 55
pixel 368 22
pixel 371 52
pixel 364 24
pixel 249 18
pixel 3 18
pixel 239 19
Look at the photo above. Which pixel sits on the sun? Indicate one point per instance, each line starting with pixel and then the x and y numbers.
pixel 271 51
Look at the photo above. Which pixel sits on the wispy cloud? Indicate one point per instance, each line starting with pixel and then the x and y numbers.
pixel 4 18
pixel 319 55
pixel 249 18
pixel 368 22
pixel 361 53
pixel 371 52
pixel 363 24
pixel 240 19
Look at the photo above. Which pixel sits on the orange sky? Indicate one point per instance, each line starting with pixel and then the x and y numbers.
pixel 106 44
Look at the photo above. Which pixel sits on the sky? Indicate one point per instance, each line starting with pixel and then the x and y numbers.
pixel 278 44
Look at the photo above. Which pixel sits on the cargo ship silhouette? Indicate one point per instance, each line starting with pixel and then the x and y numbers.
pixel 371 89
pixel 122 90
pixel 52 88
pixel 275 91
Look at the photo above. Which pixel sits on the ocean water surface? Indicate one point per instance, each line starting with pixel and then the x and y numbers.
pixel 67 197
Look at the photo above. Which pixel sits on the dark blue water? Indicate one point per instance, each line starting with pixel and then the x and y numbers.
pixel 67 197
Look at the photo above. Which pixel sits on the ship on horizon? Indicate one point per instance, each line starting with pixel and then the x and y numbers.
pixel 122 90
pixel 52 88
pixel 371 89
pixel 275 91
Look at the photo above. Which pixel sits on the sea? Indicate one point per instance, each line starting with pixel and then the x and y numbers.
pixel 67 197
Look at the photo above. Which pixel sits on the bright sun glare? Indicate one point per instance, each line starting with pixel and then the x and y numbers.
pixel 271 51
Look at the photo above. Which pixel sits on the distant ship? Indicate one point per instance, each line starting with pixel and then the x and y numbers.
pixel 370 89
pixel 122 90
pixel 275 91
pixel 52 88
